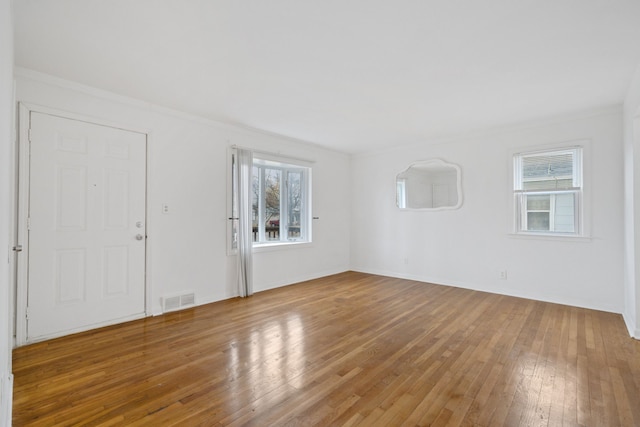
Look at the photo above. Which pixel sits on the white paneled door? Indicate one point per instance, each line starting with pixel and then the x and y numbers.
pixel 86 227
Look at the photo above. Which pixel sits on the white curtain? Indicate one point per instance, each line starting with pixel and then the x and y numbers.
pixel 243 183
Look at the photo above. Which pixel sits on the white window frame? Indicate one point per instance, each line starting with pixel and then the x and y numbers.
pixel 284 164
pixel 580 220
pixel 285 169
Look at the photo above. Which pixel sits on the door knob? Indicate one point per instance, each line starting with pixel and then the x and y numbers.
pixel 139 237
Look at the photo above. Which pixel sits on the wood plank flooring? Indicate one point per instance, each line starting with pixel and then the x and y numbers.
pixel 346 350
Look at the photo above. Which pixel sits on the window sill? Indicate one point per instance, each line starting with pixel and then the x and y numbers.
pixel 552 237
pixel 266 247
pixel 277 246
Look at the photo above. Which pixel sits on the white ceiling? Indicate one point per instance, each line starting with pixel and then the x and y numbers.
pixel 352 75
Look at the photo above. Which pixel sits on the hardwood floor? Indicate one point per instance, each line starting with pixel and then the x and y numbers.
pixel 351 349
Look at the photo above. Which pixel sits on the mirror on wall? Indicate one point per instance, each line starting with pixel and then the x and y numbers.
pixel 430 185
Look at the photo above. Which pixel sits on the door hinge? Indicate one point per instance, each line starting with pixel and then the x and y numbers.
pixel 29 223
pixel 26 313
pixel 29 135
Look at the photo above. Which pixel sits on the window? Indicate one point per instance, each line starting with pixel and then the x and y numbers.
pixel 548 191
pixel 281 195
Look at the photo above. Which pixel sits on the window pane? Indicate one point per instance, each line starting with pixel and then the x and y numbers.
pixel 538 221
pixel 564 216
pixel 234 205
pixel 294 208
pixel 548 184
pixel 548 171
pixel 539 203
pixel 255 197
pixel 280 194
pixel 272 203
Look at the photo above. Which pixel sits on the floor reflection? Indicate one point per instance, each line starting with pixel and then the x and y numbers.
pixel 272 357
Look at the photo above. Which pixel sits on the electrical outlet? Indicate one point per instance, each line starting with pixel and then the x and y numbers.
pixel 502 274
pixel 165 208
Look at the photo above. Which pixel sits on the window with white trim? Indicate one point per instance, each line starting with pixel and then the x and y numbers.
pixel 548 191
pixel 281 202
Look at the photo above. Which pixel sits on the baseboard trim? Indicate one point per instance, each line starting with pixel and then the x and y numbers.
pixel 299 279
pixel 264 287
pixel 630 323
pixel 479 287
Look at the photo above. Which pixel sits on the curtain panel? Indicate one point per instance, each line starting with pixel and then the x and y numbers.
pixel 242 190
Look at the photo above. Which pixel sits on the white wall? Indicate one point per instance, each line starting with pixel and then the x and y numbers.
pixel 468 247
pixel 188 171
pixel 6 137
pixel 632 207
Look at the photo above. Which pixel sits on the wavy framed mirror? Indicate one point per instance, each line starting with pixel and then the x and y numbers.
pixel 429 185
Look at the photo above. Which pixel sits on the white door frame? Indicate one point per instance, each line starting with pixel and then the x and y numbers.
pixel 22 194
